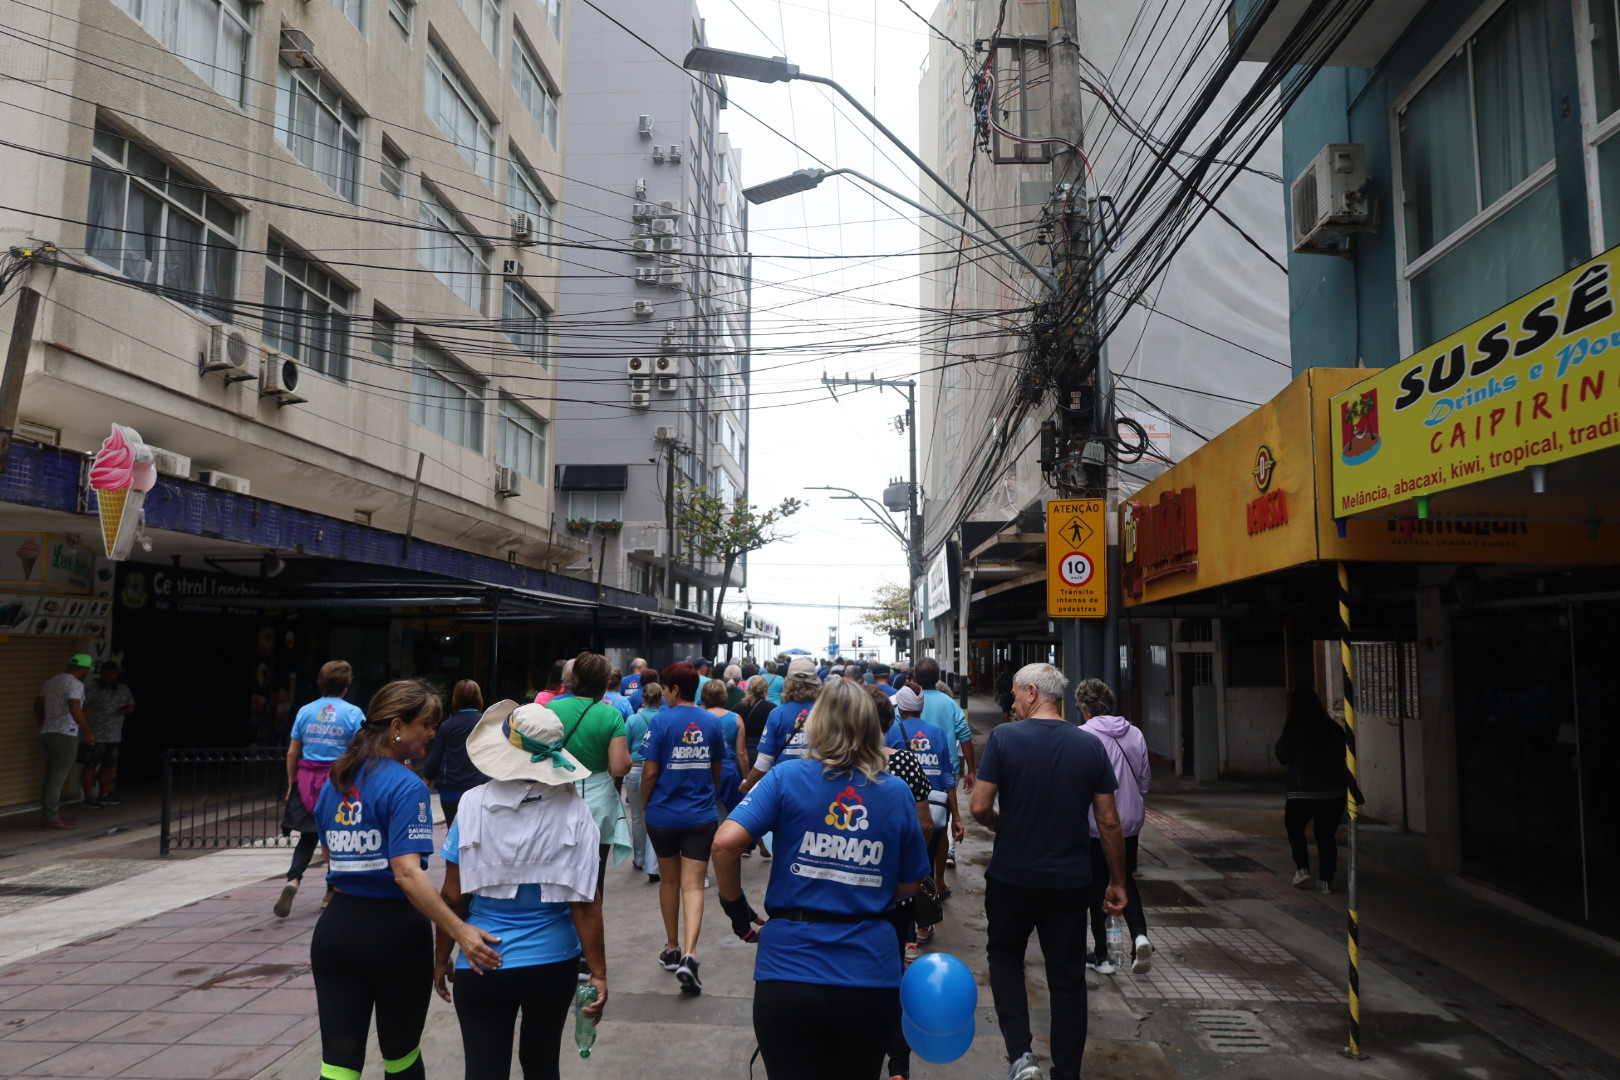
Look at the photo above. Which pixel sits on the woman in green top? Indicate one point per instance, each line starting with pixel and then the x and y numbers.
pixel 593 731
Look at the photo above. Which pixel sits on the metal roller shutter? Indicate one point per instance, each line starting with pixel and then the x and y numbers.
pixel 25 664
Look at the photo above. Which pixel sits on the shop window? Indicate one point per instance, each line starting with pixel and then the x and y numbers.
pixel 1480 219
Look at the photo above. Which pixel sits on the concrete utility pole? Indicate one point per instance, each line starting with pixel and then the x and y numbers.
pixel 914 510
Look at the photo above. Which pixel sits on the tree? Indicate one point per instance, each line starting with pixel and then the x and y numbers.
pixel 890 610
pixel 725 531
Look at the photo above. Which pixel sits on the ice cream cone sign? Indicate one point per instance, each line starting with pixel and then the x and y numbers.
pixel 121 475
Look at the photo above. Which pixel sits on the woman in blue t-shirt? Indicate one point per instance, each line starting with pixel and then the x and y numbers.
pixel 372 949
pixel 679 778
pixel 731 738
pixel 850 846
pixel 522 864
pixel 635 730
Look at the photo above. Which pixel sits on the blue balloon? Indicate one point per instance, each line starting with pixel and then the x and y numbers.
pixel 938 994
pixel 938 1049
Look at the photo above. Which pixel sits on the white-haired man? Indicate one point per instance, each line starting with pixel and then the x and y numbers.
pixel 1037 778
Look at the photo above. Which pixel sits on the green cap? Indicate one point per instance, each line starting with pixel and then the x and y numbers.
pixel 81 660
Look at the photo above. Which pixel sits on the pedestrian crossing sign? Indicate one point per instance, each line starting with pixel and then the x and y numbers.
pixel 1076 559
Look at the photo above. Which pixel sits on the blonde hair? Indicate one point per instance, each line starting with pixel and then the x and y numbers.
pixel 843 731
pixel 651 694
pixel 714 693
pixel 758 689
pixel 800 689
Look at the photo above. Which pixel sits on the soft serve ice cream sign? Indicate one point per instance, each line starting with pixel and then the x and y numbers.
pixel 121 476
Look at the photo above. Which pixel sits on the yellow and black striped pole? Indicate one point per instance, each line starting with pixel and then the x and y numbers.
pixel 1352 799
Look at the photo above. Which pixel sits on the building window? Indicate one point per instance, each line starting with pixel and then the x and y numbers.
pixel 320 128
pixel 554 16
pixel 1479 208
pixel 446 398
pixel 213 37
pixel 485 16
pixel 402 13
pixel 391 170
pixel 533 89
pixel 306 311
pixel 464 122
pixel 384 334
pixel 1605 17
pixel 596 505
pixel 525 196
pixel 523 318
pixel 355 10
pixel 522 441
pixel 448 249
pixel 152 225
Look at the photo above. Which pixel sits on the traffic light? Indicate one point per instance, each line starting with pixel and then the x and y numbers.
pixel 859 642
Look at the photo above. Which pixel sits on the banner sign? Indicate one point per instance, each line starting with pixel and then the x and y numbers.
pixel 937 587
pixel 1076 558
pixel 1535 382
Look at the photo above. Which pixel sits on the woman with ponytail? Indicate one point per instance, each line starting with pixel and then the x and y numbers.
pixel 373 947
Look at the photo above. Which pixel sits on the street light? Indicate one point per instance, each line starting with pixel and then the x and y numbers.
pixel 769 69
pixel 873 505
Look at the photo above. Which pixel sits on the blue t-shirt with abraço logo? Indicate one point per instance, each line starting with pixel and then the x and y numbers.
pixel 843 843
pixel 326 725
pixel 927 743
pixel 685 743
pixel 784 737
pixel 382 813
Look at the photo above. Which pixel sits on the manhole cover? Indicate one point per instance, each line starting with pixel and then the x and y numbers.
pixel 1231 1031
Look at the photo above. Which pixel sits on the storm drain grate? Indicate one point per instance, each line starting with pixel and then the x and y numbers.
pixel 1231 1031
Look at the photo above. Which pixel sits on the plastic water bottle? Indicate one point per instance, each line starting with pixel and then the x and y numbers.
pixel 584 1026
pixel 1116 940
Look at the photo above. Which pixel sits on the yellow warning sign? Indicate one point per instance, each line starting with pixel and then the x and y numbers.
pixel 1076 559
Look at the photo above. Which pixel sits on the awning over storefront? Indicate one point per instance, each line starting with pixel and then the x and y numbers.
pixel 1257 499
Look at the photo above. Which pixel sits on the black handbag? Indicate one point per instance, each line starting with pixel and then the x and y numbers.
pixel 926 909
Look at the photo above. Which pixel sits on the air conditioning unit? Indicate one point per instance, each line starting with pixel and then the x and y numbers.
pixel 640 399
pixel 638 365
pixel 646 275
pixel 667 365
pixel 643 248
pixel 641 187
pixel 674 152
pixel 669 243
pixel 669 279
pixel 643 211
pixel 644 126
pixel 658 154
pixel 297 50
pixel 508 481
pixel 669 208
pixel 230 353
pixel 644 309
pixel 665 227
pixel 170 463
pixel 522 227
pixel 511 268
pixel 224 481
pixel 278 378
pixel 1329 199
pixel 640 384
pixel 666 433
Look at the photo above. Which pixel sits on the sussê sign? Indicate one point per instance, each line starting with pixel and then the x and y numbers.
pixel 1535 382
pixel 1160 538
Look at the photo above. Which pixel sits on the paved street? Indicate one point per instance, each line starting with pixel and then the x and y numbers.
pixel 180 971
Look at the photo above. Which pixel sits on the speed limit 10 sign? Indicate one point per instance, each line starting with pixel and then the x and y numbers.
pixel 1076 550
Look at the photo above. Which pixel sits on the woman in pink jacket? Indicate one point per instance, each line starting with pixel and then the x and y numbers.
pixel 1127 752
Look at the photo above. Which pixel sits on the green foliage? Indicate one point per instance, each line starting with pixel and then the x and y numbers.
pixel 890 610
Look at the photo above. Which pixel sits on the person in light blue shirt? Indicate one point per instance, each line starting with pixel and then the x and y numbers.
pixel 635 730
pixel 320 734
pixel 941 709
pixel 828 958
pixel 773 679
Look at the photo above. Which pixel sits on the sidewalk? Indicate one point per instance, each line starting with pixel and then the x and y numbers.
pixel 1247 982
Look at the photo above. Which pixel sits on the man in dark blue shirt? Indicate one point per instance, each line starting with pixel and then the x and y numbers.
pixel 1047 774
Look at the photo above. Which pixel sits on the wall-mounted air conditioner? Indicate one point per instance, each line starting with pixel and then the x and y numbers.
pixel 297 50
pixel 1329 199
pixel 646 275
pixel 508 482
pixel 640 399
pixel 644 126
pixel 170 463
pixel 643 248
pixel 638 365
pixel 643 211
pixel 641 187
pixel 224 481
pixel 669 243
pixel 674 152
pixel 668 369
pixel 230 353
pixel 669 279
pixel 644 309
pixel 278 378
pixel 669 208
pixel 522 226
pixel 511 268
pixel 664 227
pixel 666 433
pixel 658 154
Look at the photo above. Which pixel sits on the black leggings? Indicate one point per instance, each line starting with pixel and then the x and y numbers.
pixel 369 953
pixel 789 1015
pixel 1325 815
pixel 488 1005
pixel 1135 919
pixel 303 852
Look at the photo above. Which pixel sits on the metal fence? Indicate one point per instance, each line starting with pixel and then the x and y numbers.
pixel 228 797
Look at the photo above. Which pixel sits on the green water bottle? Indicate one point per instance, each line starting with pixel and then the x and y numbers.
pixel 584 1026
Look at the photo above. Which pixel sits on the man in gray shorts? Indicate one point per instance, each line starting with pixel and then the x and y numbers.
pixel 108 702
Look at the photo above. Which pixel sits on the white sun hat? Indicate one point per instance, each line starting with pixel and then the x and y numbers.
pixel 522 742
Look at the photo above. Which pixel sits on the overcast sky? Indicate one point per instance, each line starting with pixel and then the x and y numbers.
pixel 801 437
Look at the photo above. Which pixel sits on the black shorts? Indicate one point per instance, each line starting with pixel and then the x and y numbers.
pixel 98 754
pixel 692 842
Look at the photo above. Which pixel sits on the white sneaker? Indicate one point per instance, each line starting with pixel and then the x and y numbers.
pixel 1302 878
pixel 1324 887
pixel 1144 955
pixel 1025 1068
pixel 1104 966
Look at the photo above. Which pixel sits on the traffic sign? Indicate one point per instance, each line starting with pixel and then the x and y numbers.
pixel 1076 559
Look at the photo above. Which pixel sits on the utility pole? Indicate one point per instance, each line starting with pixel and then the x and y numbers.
pixel 11 380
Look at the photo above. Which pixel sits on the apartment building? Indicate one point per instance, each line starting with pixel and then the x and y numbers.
pixel 653 336
pixel 1211 336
